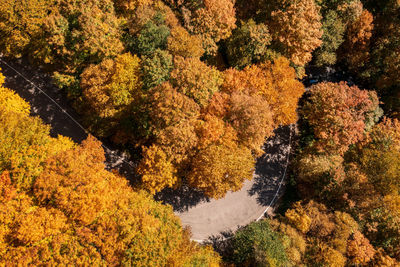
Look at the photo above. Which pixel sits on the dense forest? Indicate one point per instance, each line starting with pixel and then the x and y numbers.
pixel 191 89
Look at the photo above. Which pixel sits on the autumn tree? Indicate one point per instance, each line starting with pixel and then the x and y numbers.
pixel 76 212
pixel 293 241
pixel 21 24
pixel 169 107
pixel 248 44
pixel 296 29
pixel 221 166
pixel 275 82
pixel 181 43
pixel 12 102
pixel 25 141
pixel 80 32
pixel 251 117
pixel 173 118
pixel 213 21
pixel 195 79
pixel 129 6
pixel 358 35
pixel 332 237
pixel 339 115
pixel 111 86
pixel 360 250
pixel 385 63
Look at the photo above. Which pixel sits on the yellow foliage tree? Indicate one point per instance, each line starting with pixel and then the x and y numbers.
pixel 113 85
pixel 21 24
pixel 156 170
pixel 195 79
pixel 181 43
pixel 11 102
pixel 25 143
pixel 296 26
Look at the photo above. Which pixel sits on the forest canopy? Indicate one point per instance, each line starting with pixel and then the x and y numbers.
pixel 191 91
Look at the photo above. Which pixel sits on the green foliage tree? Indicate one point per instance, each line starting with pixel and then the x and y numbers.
pixel 334 29
pixel 248 44
pixel 156 68
pixel 258 245
pixel 152 36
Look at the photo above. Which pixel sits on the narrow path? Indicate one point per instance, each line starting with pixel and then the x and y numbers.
pixel 206 217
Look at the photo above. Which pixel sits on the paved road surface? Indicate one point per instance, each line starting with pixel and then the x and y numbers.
pixel 205 217
pixel 212 217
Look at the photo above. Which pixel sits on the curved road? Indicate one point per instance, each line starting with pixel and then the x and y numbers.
pixel 206 217
pixel 217 217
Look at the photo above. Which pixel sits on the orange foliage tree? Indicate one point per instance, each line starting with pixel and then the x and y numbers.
pixel 296 27
pixel 251 117
pixel 359 249
pixel 340 115
pixel 221 166
pixel 356 46
pixel 275 82
pixel 213 22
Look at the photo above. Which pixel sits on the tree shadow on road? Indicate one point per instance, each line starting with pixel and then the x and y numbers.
pixel 270 167
pixel 182 198
pixel 267 176
pixel 222 243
